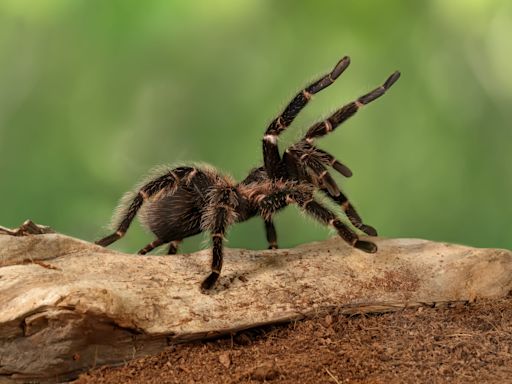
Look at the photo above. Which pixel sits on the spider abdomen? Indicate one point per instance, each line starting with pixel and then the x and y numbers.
pixel 173 217
pixel 180 211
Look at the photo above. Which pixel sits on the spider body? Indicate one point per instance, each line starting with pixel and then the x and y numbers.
pixel 184 201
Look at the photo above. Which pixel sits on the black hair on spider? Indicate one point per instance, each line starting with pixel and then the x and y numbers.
pixel 184 201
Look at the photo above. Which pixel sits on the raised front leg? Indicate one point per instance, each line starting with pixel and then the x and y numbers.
pixel 344 113
pixel 271 155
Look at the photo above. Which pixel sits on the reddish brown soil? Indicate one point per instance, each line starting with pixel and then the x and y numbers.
pixel 465 344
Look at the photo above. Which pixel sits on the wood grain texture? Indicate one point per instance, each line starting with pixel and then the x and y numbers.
pixel 67 305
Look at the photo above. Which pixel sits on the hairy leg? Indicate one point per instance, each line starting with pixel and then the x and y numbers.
pixel 270 230
pixel 173 247
pixel 271 154
pixel 168 180
pixel 219 214
pixel 344 113
pixel 327 217
pixel 275 201
pixel 351 213
pixel 151 246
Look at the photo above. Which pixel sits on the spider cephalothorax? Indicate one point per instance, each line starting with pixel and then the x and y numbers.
pixel 184 201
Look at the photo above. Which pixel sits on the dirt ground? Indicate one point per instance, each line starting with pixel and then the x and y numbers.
pixel 463 344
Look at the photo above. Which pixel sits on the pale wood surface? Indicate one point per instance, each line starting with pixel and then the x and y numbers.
pixel 67 305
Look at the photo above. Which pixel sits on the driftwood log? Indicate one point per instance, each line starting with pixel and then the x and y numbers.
pixel 67 305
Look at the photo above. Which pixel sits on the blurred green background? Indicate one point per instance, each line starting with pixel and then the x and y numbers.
pixel 94 93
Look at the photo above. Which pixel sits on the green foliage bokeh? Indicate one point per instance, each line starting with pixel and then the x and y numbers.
pixel 95 93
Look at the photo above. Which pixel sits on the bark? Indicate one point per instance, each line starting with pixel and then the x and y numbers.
pixel 67 305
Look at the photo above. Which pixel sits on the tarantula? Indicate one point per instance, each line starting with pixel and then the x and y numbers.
pixel 184 201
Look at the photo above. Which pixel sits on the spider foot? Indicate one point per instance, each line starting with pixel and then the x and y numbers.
pixel 106 241
pixel 366 246
pixel 368 229
pixel 209 282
